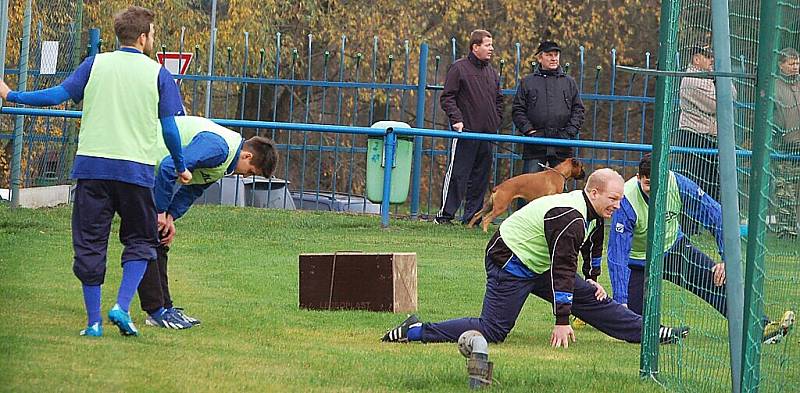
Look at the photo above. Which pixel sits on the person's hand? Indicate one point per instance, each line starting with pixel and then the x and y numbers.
pixel 561 335
pixel 719 274
pixel 166 228
pixel 4 89
pixel 531 132
pixel 185 177
pixel 600 292
pixel 625 305
pixel 458 127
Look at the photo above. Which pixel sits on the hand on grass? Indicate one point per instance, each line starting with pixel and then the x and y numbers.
pixel 561 335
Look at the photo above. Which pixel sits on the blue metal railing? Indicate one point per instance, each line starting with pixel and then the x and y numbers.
pixel 390 136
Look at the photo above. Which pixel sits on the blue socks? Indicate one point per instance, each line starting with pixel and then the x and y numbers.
pixel 415 333
pixel 157 313
pixel 132 273
pixel 91 299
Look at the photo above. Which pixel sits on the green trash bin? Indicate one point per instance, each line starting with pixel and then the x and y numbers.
pixel 401 170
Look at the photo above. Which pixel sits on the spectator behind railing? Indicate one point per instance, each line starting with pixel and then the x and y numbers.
pixel 698 123
pixel 473 101
pixel 787 139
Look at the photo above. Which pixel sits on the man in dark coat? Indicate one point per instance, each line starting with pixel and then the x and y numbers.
pixel 473 102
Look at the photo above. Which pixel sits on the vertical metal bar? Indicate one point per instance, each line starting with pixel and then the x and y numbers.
pixel 437 61
pixel 211 48
pixel 3 37
pixel 759 204
pixel 210 71
pixel 16 158
pixel 389 144
pixel 374 79
pixel 243 95
pixel 290 119
pixel 668 32
pixel 612 91
pixel 595 109
pixel 228 73
pixel 336 137
pixel 729 187
pixel 195 82
pixel 416 178
pixel 320 153
pixel 353 122
pixel 388 90
pixel 404 96
pixel 94 42
pixel 305 133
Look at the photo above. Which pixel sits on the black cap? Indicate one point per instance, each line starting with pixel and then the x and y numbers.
pixel 704 50
pixel 547 46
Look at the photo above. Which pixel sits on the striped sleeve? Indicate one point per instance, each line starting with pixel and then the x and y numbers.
pixel 564 232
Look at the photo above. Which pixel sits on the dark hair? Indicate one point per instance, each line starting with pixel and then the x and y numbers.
pixel 265 156
pixel 644 165
pixel 788 53
pixel 132 23
pixel 704 50
pixel 477 36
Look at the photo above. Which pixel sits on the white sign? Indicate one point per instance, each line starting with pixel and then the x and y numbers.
pixel 49 58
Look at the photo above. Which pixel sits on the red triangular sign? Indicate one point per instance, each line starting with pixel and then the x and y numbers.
pixel 176 63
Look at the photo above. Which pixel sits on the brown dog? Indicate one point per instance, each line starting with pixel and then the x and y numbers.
pixel 529 187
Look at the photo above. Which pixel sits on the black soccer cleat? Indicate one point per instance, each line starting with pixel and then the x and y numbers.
pixel 400 333
pixel 669 335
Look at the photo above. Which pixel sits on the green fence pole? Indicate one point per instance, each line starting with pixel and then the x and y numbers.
pixel 759 186
pixel 72 129
pixel 3 37
pixel 729 187
pixel 16 158
pixel 667 61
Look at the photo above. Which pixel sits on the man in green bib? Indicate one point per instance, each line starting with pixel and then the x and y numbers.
pixel 535 252
pixel 210 152
pixel 684 264
pixel 130 104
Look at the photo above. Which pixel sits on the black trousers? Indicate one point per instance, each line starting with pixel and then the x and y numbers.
pixel 703 169
pixel 687 267
pixel 96 202
pixel 154 287
pixel 467 177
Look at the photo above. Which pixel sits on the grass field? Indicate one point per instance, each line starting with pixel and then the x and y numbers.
pixel 237 270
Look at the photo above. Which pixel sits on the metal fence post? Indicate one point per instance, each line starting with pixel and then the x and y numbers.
pixel 16 158
pixel 726 141
pixel 759 204
pixel 670 12
pixel 389 144
pixel 94 42
pixel 416 178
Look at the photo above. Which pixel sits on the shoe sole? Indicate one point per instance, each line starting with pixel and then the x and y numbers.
pixel 125 329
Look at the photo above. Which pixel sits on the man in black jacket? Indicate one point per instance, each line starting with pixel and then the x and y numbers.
pixel 547 104
pixel 473 102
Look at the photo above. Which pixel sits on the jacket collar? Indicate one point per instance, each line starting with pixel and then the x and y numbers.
pixel 475 61
pixel 557 72
pixel 590 213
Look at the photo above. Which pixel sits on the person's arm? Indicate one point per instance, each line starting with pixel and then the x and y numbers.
pixel 519 110
pixel 206 150
pixel 170 105
pixel 564 232
pixel 184 199
pixel 702 208
pixel 620 238
pixel 592 252
pixel 71 88
pixel 577 113
pixel 447 100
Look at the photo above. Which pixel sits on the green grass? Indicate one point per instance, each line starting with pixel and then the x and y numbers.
pixel 237 270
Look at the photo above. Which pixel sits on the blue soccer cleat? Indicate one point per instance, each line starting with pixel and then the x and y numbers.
pixel 123 321
pixel 168 320
pixel 179 312
pixel 93 330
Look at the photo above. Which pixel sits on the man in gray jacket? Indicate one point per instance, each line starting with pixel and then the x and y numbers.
pixel 547 104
